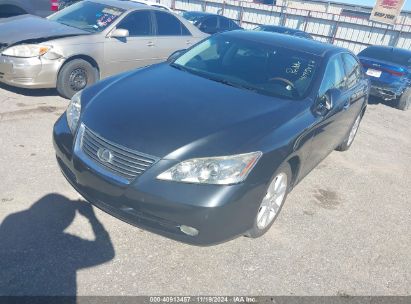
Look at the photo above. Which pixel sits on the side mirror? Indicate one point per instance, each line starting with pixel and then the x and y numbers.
pixel 119 33
pixel 175 55
pixel 325 103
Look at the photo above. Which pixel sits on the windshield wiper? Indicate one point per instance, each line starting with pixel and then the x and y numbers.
pixel 234 84
pixel 179 67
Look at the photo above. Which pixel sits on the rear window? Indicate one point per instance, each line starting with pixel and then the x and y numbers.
pixel 388 54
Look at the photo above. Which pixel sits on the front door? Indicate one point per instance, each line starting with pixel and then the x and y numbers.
pixel 137 50
pixel 331 126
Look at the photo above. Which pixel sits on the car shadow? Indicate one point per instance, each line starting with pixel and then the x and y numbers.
pixel 38 258
pixel 29 92
pixel 376 100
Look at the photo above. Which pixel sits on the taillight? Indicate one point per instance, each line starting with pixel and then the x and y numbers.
pixel 395 73
pixel 54 5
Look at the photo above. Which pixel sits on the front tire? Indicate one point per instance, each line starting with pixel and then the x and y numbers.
pixel 74 76
pixel 346 144
pixel 404 102
pixel 272 203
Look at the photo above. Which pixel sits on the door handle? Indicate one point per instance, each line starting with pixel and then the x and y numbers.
pixel 188 42
pixel 150 43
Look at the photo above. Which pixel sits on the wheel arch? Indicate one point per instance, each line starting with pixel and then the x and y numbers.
pixel 87 58
pixel 295 165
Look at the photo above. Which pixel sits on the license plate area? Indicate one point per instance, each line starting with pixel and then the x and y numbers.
pixel 374 73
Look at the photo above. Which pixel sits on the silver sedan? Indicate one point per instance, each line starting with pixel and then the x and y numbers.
pixel 88 41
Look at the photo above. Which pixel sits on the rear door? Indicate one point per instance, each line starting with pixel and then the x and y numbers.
pixel 170 35
pixel 122 54
pixel 356 86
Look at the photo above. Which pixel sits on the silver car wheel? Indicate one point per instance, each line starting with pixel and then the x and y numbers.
pixel 354 130
pixel 272 201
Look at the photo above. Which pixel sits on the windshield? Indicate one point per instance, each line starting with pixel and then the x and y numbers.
pixel 249 65
pixel 401 57
pixel 88 16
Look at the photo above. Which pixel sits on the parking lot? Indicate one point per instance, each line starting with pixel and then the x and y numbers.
pixel 345 229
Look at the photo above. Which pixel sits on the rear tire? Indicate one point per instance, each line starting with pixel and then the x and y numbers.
pixel 404 102
pixel 275 197
pixel 74 76
pixel 346 144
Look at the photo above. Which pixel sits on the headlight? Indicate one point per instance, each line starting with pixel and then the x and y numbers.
pixel 27 50
pixel 214 170
pixel 73 112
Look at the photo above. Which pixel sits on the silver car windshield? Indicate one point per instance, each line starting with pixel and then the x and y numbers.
pixel 88 16
pixel 260 67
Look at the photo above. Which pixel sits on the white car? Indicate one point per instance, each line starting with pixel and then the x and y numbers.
pixel 155 4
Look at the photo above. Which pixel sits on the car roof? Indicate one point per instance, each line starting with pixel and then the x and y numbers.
pixel 276 39
pixel 123 4
pixel 200 14
pixel 281 28
pixel 394 50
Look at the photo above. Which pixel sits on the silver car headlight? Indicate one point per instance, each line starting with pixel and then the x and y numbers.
pixel 223 170
pixel 27 50
pixel 73 112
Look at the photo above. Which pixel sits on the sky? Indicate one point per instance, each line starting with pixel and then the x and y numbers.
pixel 407 5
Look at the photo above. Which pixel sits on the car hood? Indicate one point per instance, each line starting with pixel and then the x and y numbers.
pixel 168 113
pixel 28 28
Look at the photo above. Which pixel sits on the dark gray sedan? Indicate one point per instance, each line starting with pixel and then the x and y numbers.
pixel 207 146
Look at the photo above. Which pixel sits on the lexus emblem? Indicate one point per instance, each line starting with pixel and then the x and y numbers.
pixel 104 155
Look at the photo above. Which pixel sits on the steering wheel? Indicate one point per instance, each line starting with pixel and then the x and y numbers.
pixel 289 83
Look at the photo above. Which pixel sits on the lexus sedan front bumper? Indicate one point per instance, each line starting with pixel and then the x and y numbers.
pixel 218 213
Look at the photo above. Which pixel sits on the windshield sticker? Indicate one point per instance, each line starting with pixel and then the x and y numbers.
pixel 294 69
pixel 307 73
pixel 105 19
pixel 112 11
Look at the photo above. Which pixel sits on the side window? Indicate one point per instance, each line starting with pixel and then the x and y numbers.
pixel 224 24
pixel 137 23
pixel 353 70
pixel 209 22
pixel 233 25
pixel 168 25
pixel 334 76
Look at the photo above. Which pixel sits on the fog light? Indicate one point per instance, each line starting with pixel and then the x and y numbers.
pixel 188 230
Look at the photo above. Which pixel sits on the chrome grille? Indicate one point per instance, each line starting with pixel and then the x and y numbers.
pixel 124 162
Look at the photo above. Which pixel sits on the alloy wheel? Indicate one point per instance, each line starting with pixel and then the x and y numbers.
pixel 354 130
pixel 272 201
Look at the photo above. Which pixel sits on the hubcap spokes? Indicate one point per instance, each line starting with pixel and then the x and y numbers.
pixel 354 130
pixel 272 201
